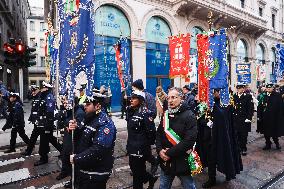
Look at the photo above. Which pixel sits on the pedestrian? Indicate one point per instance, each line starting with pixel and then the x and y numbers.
pixel 176 136
pixel 46 120
pixel 242 115
pixel 225 158
pixel 93 157
pixel 34 119
pixel 123 102
pixel 141 134
pixel 66 169
pixel 189 98
pixel 160 100
pixel 3 106
pixel 16 121
pixel 150 104
pixel 270 117
pixel 82 94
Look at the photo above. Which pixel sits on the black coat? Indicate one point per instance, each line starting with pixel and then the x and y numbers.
pixel 16 116
pixel 34 110
pixel 270 115
pixel 242 110
pixel 224 141
pixel 184 124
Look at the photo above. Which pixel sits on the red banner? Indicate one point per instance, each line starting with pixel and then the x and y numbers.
pixel 203 70
pixel 119 65
pixel 179 55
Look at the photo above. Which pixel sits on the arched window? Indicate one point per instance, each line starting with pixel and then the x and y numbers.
pixel 273 60
pixel 242 50
pixel 193 41
pixel 260 53
pixel 157 54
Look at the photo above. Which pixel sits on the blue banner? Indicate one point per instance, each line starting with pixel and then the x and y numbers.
pixel 77 49
pixel 242 69
pixel 244 78
pixel 218 67
pixel 279 66
pixel 125 58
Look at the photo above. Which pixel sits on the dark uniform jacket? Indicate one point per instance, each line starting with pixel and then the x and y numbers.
pixel 16 116
pixel 243 109
pixel 271 115
pixel 94 155
pixel 141 131
pixel 46 110
pixel 34 118
pixel 184 124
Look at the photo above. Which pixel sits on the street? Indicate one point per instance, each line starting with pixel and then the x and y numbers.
pixel 19 172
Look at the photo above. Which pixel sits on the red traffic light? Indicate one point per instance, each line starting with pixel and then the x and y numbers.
pixel 20 48
pixel 8 48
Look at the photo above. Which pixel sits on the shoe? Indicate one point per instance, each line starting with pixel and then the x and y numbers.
pixel 68 184
pixel 40 162
pixel 278 147
pixel 210 183
pixel 61 176
pixel 26 153
pixel 244 153
pixel 152 181
pixel 10 151
pixel 230 178
pixel 267 147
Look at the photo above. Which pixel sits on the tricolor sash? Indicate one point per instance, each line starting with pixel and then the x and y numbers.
pixel 193 158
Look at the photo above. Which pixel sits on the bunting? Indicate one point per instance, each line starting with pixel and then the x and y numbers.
pixel 279 67
pixel 179 55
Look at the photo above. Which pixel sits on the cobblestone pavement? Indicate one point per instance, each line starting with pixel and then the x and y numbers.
pixel 18 172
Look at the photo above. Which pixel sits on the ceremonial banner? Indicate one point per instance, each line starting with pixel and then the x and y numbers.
pixel 279 66
pixel 213 68
pixel 179 55
pixel 76 53
pixel 123 62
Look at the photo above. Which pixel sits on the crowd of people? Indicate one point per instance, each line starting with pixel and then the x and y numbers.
pixel 185 124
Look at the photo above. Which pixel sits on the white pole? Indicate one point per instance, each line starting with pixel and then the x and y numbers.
pixel 21 83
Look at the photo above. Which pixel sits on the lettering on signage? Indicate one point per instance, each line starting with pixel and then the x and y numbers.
pixel 109 24
pixel 161 34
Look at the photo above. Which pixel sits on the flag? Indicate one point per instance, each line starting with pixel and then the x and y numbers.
pixel 213 68
pixel 179 56
pixel 279 67
pixel 76 52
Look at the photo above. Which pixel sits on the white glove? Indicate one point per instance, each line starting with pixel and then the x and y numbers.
pixel 247 121
pixel 210 124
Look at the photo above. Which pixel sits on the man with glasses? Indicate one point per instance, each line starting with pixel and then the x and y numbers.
pixel 176 136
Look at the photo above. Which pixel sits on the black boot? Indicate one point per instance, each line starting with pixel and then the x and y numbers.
pixel 61 176
pixel 210 183
pixel 244 152
pixel 41 162
pixel 267 147
pixel 68 184
pixel 26 153
pixel 278 147
pixel 10 151
pixel 152 181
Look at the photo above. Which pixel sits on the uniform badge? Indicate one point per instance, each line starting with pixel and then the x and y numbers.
pixel 106 131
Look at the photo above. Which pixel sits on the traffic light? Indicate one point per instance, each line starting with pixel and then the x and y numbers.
pixel 30 56
pixel 9 51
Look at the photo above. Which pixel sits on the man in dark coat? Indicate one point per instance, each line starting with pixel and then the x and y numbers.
pixel 271 117
pixel 242 115
pixel 226 158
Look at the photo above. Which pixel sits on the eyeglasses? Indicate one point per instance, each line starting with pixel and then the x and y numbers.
pixel 172 97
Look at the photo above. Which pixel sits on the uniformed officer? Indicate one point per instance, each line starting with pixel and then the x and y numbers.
pixel 94 154
pixel 46 120
pixel 34 118
pixel 16 121
pixel 242 115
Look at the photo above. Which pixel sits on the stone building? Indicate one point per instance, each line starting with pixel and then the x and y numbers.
pixel 148 23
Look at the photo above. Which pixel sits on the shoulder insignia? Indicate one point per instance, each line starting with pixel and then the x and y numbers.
pixel 106 131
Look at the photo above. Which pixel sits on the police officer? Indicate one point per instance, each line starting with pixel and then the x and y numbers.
pixel 16 121
pixel 93 157
pixel 34 118
pixel 242 115
pixel 46 120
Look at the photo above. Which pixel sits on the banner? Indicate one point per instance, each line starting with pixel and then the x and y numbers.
pixel 76 51
pixel 279 66
pixel 260 72
pixel 243 73
pixel 212 66
pixel 179 55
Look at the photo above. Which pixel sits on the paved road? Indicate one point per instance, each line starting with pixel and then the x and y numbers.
pixel 18 172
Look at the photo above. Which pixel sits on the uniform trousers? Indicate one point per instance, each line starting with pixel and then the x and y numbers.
pixel 35 133
pixel 47 137
pixel 138 167
pixel 22 134
pixel 242 139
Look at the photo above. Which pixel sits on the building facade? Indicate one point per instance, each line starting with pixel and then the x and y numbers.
pixel 13 24
pixel 36 27
pixel 258 27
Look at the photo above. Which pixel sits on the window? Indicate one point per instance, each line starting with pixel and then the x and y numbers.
pixel 273 60
pixel 41 43
pixel 260 11
pixel 41 26
pixel 273 21
pixel 260 54
pixel 243 3
pixel 32 26
pixel 42 63
pixel 32 42
pixel 242 50
pixel 193 40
